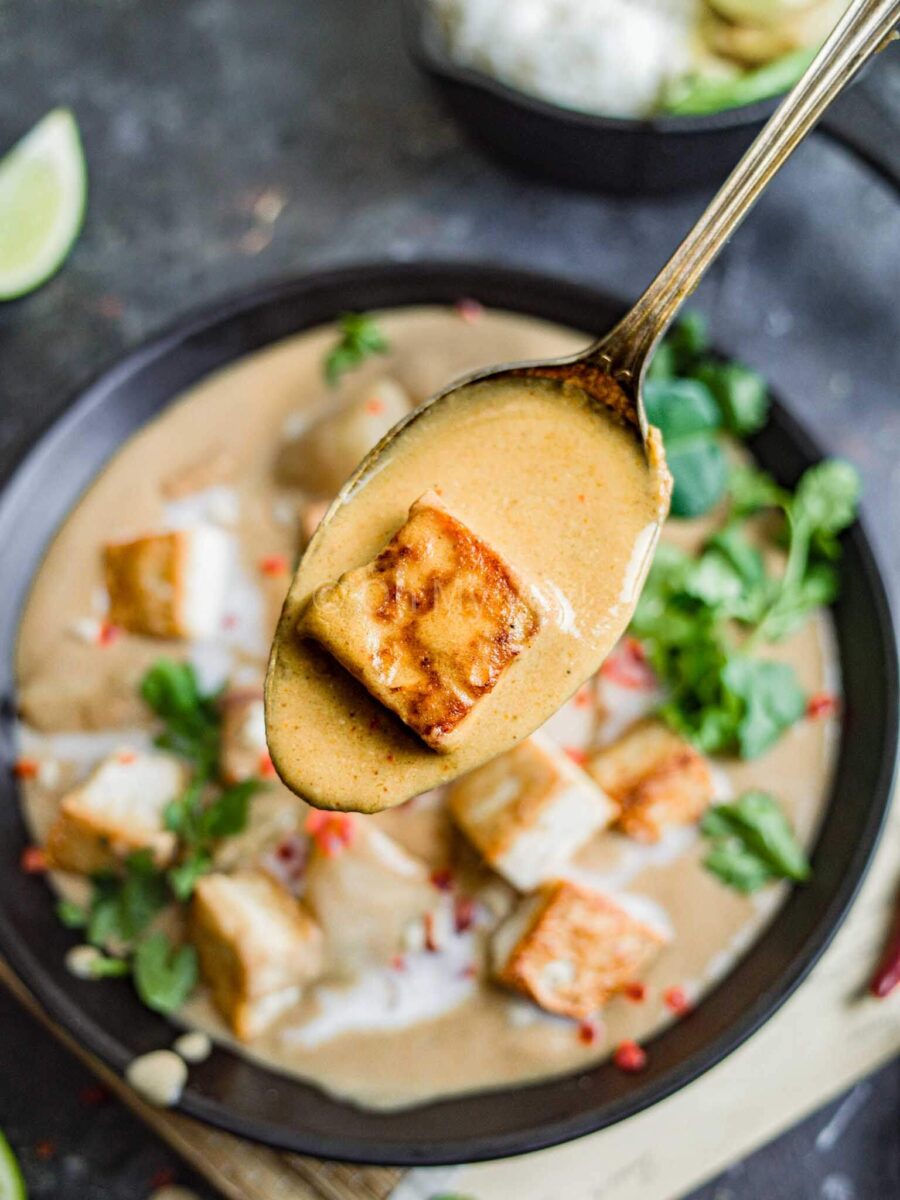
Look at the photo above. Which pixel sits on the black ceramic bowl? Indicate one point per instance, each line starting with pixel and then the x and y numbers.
pixel 235 1094
pixel 612 154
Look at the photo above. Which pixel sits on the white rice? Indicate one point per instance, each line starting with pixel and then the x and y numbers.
pixel 615 57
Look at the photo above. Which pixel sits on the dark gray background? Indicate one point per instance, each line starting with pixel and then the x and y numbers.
pixel 190 111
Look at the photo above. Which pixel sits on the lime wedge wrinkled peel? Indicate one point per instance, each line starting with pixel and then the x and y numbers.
pixel 12 1185
pixel 43 188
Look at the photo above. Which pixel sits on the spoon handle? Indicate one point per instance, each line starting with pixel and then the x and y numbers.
pixel 865 28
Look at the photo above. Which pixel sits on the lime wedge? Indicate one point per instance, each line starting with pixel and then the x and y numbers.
pixel 43 186
pixel 12 1185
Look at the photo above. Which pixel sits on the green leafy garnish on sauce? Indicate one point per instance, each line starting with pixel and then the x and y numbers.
pixel 702 619
pixel 190 716
pixel 694 399
pixel 164 974
pixel 752 843
pixel 359 338
pixel 123 906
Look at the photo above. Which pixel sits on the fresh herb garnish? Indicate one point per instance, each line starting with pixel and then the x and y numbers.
pixel 123 906
pixel 106 967
pixel 692 398
pixel 752 843
pixel 191 716
pixel 359 338
pixel 164 975
pixel 199 823
pixel 702 619
pixel 72 915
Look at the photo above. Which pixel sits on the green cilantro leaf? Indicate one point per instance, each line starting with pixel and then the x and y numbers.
pixel 751 490
pixel 753 843
pixel 164 975
pixel 122 908
pixel 741 394
pixel 359 338
pixel 227 814
pixel 72 915
pixel 184 875
pixel 107 967
pixel 688 419
pixel 771 699
pixel 191 717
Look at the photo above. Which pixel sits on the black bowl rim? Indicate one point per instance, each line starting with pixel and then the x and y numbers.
pixel 432 58
pixel 451 279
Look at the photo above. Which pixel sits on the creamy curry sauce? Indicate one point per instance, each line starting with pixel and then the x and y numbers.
pixel 382 1033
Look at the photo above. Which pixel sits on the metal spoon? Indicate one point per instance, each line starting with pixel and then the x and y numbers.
pixel 611 371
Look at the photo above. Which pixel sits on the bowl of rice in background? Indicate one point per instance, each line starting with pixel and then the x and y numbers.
pixel 626 96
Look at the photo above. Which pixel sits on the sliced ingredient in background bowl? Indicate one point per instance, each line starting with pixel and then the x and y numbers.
pixel 43 191
pixel 12 1185
pixel 637 58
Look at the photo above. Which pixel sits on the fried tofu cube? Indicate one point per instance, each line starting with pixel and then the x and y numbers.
pixel 528 811
pixel 257 947
pixel 430 625
pixel 168 585
pixel 243 753
pixel 322 456
pixel 570 949
pixel 118 810
pixel 656 777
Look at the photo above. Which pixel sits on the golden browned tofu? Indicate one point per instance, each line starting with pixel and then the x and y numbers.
pixel 168 585
pixel 656 777
pixel 430 625
pixel 570 949
pixel 529 810
pixel 257 947
pixel 119 809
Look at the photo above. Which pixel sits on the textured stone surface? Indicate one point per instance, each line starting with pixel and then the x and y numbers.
pixel 191 112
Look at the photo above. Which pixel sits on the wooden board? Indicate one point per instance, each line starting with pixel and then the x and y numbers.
pixel 826 1037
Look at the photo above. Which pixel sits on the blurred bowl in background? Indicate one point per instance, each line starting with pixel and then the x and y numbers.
pixel 625 156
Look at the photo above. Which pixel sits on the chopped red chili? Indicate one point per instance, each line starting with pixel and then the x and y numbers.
pixel 442 878
pixel 577 755
pixel 583 698
pixel 470 310
pixel 822 704
pixel 627 666
pixel 331 831
pixel 676 999
pixel 107 633
pixel 94 1095
pixel 588 1032
pixel 274 564
pixel 635 991
pixel 374 407
pixel 26 768
pixel 887 977
pixel 431 942
pixel 464 913
pixel 265 766
pixel 45 1149
pixel 126 757
pixel 398 962
pixel 630 1057
pixel 33 860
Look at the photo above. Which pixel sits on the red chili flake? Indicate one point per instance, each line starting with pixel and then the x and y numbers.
pixel 627 666
pixel 581 497
pixel 375 407
pixel 229 621
pixel 463 913
pixel 265 766
pixel 578 756
pixel 398 962
pixel 469 310
pixel 430 933
pixel 164 1177
pixel 887 977
pixel 331 831
pixel 676 999
pixel 107 634
pixel 823 704
pixel 588 1032
pixel 635 991
pixel 26 768
pixel 94 1095
pixel 126 757
pixel 33 860
pixel 110 306
pixel 442 878
pixel 389 758
pixel 274 564
pixel 45 1149
pixel 630 1057
pixel 583 698
pixel 470 971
